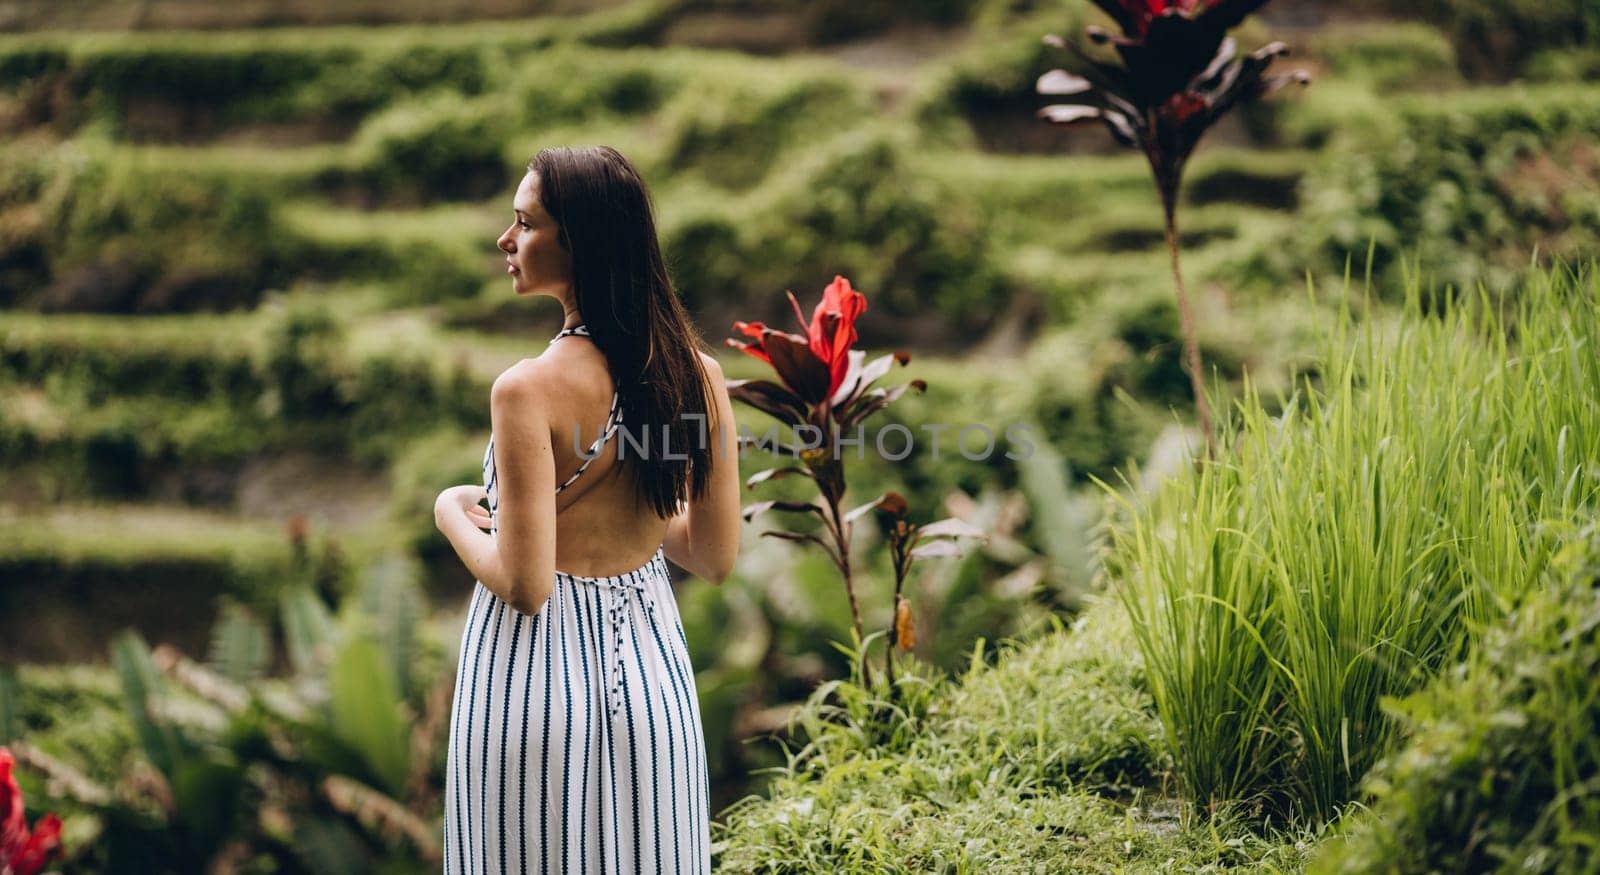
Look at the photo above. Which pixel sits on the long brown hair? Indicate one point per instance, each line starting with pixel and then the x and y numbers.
pixel 634 316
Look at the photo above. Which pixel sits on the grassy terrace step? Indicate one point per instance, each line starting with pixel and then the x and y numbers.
pixel 178 62
pixel 162 355
pixel 1330 109
pixel 179 356
pixel 1041 185
pixel 438 254
pixel 205 14
pixel 193 358
pixel 465 226
pixel 91 44
pixel 321 84
pixel 121 407
pixel 1075 229
pixel 290 170
pixel 121 404
pixel 196 356
pixel 71 576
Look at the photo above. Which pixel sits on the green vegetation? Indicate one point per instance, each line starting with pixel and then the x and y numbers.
pixel 1469 186
pixel 334 753
pixel 856 207
pixel 249 296
pixel 1051 757
pixel 448 118
pixel 731 131
pixel 1501 750
pixel 325 78
pixel 171 762
pixel 1389 56
pixel 437 148
pixel 94 230
pixel 1347 549
pixel 109 407
pixel 1565 65
pixel 73 710
pixel 1495 37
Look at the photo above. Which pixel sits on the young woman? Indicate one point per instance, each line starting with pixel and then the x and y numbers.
pixel 575 739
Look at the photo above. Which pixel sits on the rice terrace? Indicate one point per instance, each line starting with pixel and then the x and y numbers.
pixel 1167 435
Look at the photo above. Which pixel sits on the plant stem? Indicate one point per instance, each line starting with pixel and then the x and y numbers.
pixel 855 610
pixel 841 540
pixel 894 624
pixel 888 664
pixel 1191 346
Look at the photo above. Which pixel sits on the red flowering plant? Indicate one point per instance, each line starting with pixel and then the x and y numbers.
pixel 1178 73
pixel 825 387
pixel 22 852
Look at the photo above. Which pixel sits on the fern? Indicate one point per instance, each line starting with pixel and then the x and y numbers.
pixel 141 683
pixel 308 631
pixel 239 647
pixel 392 599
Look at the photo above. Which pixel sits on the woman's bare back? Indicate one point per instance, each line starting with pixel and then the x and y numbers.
pixel 603 524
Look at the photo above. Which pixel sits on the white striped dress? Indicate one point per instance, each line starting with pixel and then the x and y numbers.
pixel 575 739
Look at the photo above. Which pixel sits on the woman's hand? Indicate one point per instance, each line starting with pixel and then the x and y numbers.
pixel 463 500
pixel 480 517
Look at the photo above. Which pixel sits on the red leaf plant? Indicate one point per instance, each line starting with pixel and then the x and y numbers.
pixel 1178 72
pixel 825 387
pixel 22 852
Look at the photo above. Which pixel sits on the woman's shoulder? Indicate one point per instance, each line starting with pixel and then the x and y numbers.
pixel 554 376
pixel 524 371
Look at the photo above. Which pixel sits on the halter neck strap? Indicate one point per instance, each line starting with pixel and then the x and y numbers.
pixel 580 328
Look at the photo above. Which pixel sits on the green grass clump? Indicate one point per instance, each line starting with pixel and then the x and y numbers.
pixel 1075 711
pixel 1346 550
pixel 1502 752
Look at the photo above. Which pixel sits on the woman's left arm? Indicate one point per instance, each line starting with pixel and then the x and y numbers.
pixel 518 565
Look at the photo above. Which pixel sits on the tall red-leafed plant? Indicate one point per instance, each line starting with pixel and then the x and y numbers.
pixel 1177 73
pixel 22 852
pixel 825 388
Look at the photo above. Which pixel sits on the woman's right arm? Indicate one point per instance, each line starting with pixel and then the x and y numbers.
pixel 704 537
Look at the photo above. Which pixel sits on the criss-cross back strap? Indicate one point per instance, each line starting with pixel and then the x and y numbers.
pixel 613 416
pixel 613 420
